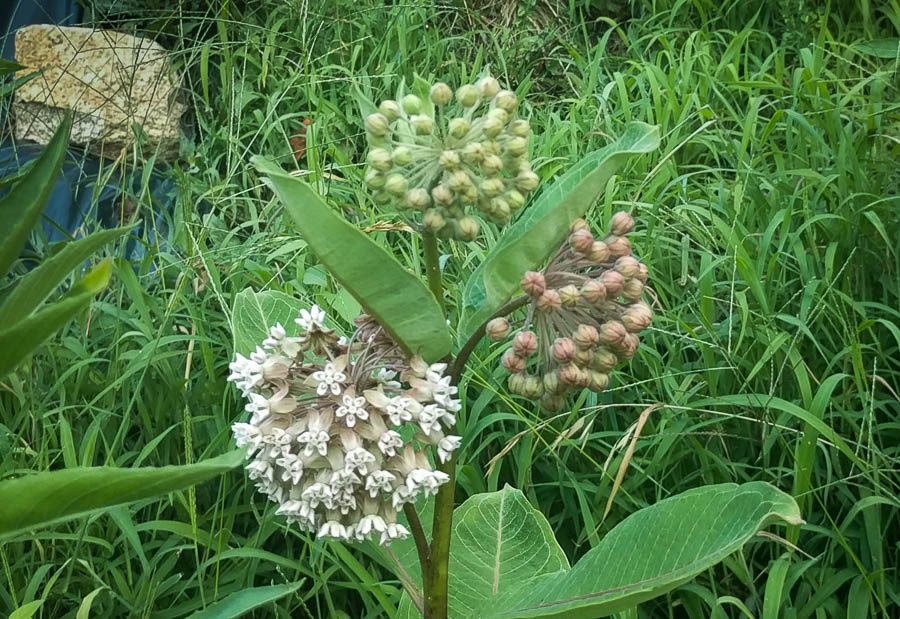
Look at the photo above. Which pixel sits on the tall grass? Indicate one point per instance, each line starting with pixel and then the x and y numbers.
pixel 769 220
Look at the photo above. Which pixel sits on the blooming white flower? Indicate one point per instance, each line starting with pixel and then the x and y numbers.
pixel 446 446
pixel 358 460
pixel 245 373
pixel 394 531
pixel 258 407
pixel 260 469
pixel 278 441
pixel 430 417
pixel 293 467
pixel 329 379
pixel 333 528
pixel 314 441
pixel 401 495
pixel 351 409
pixel 425 481
pixel 318 493
pixel 247 435
pixel 387 378
pixel 278 341
pixel 312 319
pixel 399 410
pixel 447 402
pixel 379 481
pixel 372 522
pixel 388 443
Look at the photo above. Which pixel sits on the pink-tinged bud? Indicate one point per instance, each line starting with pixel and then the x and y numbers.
pixel 534 387
pixel 593 291
pixel 627 348
pixel 582 241
pixel 604 360
pixel 525 343
pixel 563 349
pixel 621 224
pixel 570 375
pixel 612 332
pixel 579 224
pixel 513 362
pixel 583 357
pixel 599 252
pixel 551 402
pixel 628 267
pixel 586 336
pixel 618 246
pixel 533 283
pixel 614 283
pixel 642 274
pixel 497 329
pixel 633 290
pixel 569 295
pixel 637 317
pixel 551 382
pixel 598 381
pixel 516 383
pixel 549 301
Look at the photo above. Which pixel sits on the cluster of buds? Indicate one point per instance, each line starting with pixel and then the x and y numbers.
pixel 338 429
pixel 438 175
pixel 583 317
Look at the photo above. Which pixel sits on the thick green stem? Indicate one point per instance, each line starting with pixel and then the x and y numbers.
pixel 436 593
pixel 433 267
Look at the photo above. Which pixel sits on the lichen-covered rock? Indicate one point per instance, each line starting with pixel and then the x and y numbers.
pixel 112 81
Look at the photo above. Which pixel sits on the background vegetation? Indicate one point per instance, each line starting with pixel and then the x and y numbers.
pixel 769 220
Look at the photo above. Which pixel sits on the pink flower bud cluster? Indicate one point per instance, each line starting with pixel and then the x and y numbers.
pixel 583 317
pixel 338 430
pixel 439 174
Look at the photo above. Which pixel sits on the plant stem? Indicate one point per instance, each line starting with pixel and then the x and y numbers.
pixel 422 548
pixel 433 267
pixel 465 352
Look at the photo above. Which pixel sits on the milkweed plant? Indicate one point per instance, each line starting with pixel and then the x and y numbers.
pixel 353 435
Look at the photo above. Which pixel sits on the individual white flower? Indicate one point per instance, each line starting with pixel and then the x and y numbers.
pixel 446 446
pixel 430 417
pixel 387 378
pixel 245 373
pixel 380 481
pixel 314 441
pixel 388 443
pixel 447 402
pixel 293 468
pixel 260 469
pixel 329 379
pixel 279 342
pixel 394 531
pixel 335 529
pixel 425 481
pixel 368 524
pixel 258 407
pixel 351 409
pixel 290 508
pixel 278 441
pixel 314 318
pixel 399 410
pixel 247 435
pixel 358 460
pixel 401 495
pixel 318 493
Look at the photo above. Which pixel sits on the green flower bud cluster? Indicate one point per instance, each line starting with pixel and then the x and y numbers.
pixel 453 159
pixel 583 318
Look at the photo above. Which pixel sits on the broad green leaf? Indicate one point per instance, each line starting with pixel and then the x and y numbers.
pixel 84 610
pixel 545 224
pixel 26 611
pixel 32 289
pixel 241 602
pixel 648 554
pixel 881 48
pixel 8 66
pixel 45 498
pixel 392 295
pixel 21 208
pixel 254 312
pixel 20 338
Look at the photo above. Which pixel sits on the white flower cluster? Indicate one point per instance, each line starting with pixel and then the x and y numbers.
pixel 338 429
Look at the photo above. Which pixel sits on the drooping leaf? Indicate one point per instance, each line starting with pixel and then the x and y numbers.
pixel 9 66
pixel 32 289
pixel 45 498
pixel 254 312
pixel 545 224
pixel 881 48
pixel 241 602
pixel 649 553
pixel 19 339
pixel 398 299
pixel 23 205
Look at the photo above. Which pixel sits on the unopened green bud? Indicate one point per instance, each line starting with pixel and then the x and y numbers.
pixel 533 387
pixel 488 87
pixel 417 198
pixel 440 94
pixel 467 228
pixel 563 349
pixel 569 295
pixel 516 383
pixel 401 156
pixel 517 147
pixel 460 182
pixel 500 209
pixel 412 104
pixel 498 114
pixel 551 402
pixel 422 124
pixel 598 381
pixel 525 343
pixel 381 197
pixel 633 290
pixel 442 195
pixel 467 95
pixel 433 220
pixel 586 336
pixel 492 127
pixel 628 266
pixel 390 109
pixel 599 252
pixel 492 187
pixel 520 128
pixel 604 360
pixel 506 100
pixel 449 159
pixel 527 181
pixel 458 128
pixel 395 184
pixel 374 179
pixel 593 291
pixel 492 165
pixel 491 147
pixel 377 125
pixel 473 153
pixel 549 301
pixel 551 382
pixel 515 199
pixel 380 159
pixel 583 357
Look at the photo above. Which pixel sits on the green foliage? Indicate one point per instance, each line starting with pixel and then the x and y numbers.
pixel 255 312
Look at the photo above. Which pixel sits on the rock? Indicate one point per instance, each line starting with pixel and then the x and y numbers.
pixel 110 80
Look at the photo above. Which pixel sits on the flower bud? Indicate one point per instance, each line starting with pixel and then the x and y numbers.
pixel 492 165
pixel 599 252
pixel 563 349
pixel 491 147
pixel 411 104
pixel 633 290
pixel 533 283
pixel 604 360
pixel 488 87
pixel 527 181
pixel 433 220
pixel 500 210
pixel 417 198
pixel 593 291
pixel 374 179
pixel 467 95
pixel 642 272
pixel 637 317
pixel 492 187
pixel 627 266
pixel 467 228
pixel 549 301
pixel 473 153
pixel 390 109
pixel 621 224
pixel 581 241
pixel 492 126
pixel 497 329
pixel 579 224
pixel 422 124
pixel 440 94
pixel 401 156
pixel 442 195
pixel 516 383
pixel 586 336
pixel 512 362
pixel 571 375
pixel 377 125
pixel 525 343
pixel 612 332
pixel 381 197
pixel 583 357
pixel 627 348
pixel 395 184
pixel 614 283
pixel 598 381
pixel 506 100
pixel 533 388
pixel 515 199
pixel 618 246
pixel 552 403
pixel 569 295
pixel 449 160
pixel 520 128
pixel 498 114
pixel 517 147
pixel 380 159
pixel 551 382
pixel 458 128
